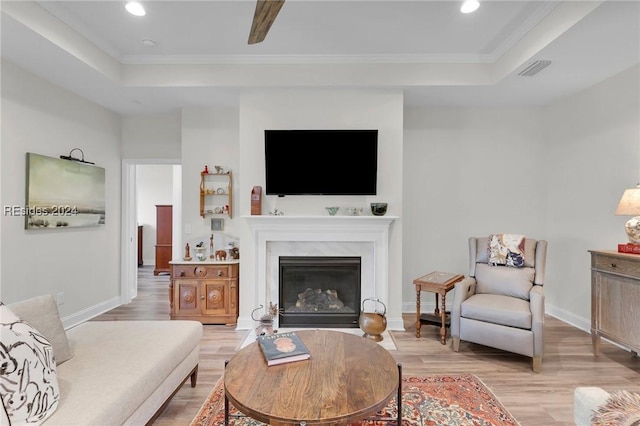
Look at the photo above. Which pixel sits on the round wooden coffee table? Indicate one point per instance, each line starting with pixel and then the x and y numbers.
pixel 347 379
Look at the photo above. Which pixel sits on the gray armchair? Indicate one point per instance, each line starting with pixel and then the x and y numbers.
pixel 502 306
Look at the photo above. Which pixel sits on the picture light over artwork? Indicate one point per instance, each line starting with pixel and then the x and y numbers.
pixel 72 158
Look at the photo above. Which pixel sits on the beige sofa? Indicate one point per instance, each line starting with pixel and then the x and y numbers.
pixel 116 372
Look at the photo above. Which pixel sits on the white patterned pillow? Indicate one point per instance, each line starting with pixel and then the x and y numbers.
pixel 506 249
pixel 28 382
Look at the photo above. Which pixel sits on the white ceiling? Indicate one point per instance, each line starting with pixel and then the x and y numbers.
pixel 437 55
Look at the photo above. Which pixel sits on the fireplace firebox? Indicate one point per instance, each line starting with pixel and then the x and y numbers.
pixel 319 291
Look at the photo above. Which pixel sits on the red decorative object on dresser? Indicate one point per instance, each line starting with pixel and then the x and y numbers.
pixel 629 248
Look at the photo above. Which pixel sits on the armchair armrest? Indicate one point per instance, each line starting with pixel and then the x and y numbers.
pixel 536 304
pixel 536 300
pixel 462 291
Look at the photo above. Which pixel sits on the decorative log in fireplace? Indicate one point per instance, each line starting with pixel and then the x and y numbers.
pixel 319 301
pixel 319 291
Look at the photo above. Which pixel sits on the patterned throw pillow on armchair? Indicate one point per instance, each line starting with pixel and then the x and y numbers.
pixel 506 249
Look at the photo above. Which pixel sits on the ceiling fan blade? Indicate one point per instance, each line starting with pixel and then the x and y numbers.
pixel 265 14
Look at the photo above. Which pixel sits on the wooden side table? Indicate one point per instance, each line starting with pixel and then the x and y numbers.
pixel 439 283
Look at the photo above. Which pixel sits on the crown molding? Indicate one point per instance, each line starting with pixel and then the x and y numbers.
pixel 304 59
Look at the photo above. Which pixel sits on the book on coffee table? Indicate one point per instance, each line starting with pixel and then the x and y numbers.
pixel 281 348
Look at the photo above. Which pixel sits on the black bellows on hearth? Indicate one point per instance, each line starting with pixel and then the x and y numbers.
pixel 320 291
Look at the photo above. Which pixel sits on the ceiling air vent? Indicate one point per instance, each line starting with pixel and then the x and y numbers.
pixel 534 68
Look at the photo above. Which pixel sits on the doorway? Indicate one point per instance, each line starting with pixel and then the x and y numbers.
pixel 132 197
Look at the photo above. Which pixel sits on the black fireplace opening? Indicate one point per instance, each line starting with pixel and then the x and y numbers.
pixel 319 291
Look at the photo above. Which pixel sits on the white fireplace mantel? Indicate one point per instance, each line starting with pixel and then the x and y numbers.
pixel 371 232
pixel 301 225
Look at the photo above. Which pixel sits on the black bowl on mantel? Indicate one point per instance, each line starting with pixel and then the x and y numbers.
pixel 378 209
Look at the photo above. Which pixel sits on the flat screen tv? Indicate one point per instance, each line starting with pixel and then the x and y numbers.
pixel 321 162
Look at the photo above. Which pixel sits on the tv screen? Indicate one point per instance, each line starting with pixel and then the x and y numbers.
pixel 321 162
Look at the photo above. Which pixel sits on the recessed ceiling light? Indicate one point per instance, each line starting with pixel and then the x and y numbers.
pixel 147 42
pixel 135 8
pixel 470 6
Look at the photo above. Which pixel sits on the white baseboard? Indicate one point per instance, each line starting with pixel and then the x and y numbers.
pixel 90 312
pixel 583 324
pixel 569 317
pixel 396 324
pixel 245 323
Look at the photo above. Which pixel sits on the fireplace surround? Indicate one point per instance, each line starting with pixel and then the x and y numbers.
pixel 270 237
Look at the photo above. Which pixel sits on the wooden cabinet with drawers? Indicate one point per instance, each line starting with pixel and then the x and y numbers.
pixel 615 297
pixel 205 291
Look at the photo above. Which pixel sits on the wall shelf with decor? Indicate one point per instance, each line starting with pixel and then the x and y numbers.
pixel 216 194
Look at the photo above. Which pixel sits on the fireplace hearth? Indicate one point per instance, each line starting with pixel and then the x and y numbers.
pixel 319 291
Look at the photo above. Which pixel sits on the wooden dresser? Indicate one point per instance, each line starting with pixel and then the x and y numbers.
pixel 615 299
pixel 164 236
pixel 205 291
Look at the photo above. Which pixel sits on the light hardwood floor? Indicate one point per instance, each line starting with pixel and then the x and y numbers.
pixel 542 399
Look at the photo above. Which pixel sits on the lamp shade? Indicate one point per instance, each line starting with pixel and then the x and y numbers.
pixel 629 203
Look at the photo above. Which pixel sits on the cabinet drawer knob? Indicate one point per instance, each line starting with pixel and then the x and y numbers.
pixel 201 297
pixel 219 273
pixel 182 273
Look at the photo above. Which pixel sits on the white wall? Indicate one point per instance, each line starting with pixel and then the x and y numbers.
pixel 149 140
pixel 83 263
pixel 151 137
pixel 321 109
pixel 593 156
pixel 209 138
pixel 154 186
pixel 467 172
pixel 554 173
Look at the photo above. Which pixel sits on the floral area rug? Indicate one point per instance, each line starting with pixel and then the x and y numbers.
pixel 426 401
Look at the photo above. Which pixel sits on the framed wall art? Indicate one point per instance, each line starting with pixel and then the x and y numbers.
pixel 63 193
pixel 217 224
